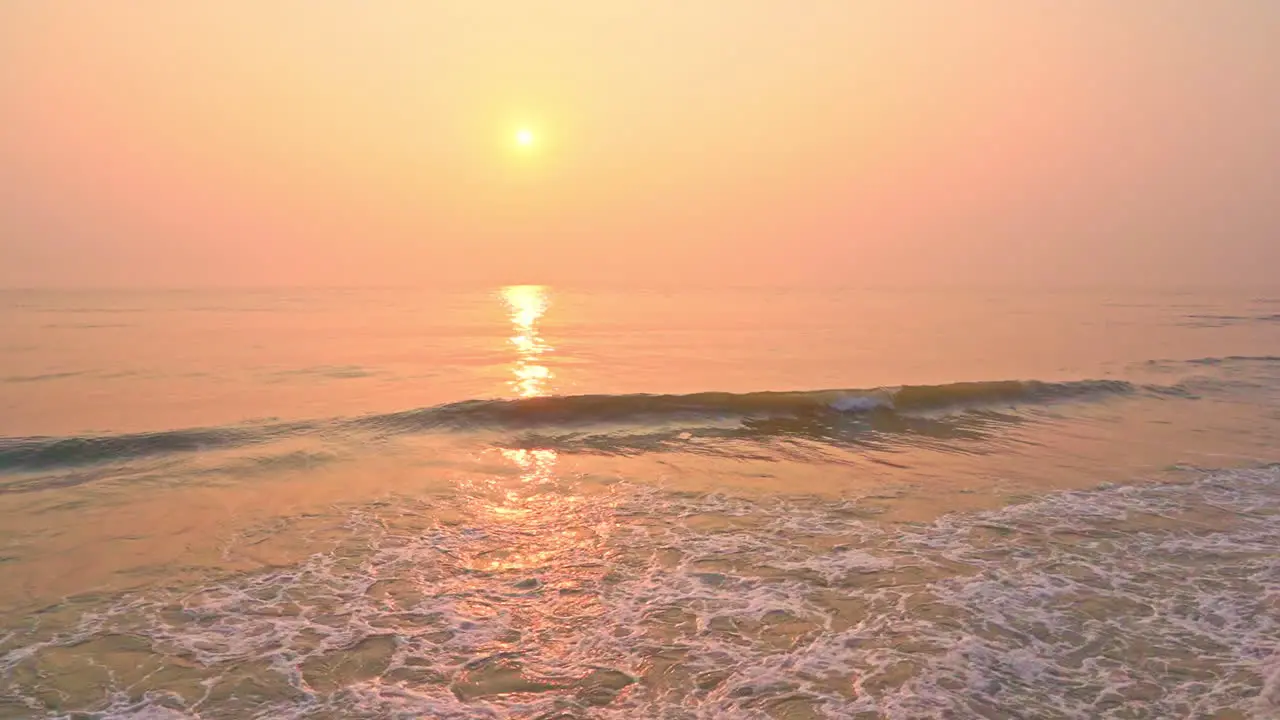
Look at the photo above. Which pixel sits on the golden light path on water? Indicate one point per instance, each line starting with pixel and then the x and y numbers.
pixel 526 502
pixel 527 304
pixel 543 549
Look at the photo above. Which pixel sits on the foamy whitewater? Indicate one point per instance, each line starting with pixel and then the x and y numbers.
pixel 607 533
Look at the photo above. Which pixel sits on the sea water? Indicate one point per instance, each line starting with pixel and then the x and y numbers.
pixel 542 502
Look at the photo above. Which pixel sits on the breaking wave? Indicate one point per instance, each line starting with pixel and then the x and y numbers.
pixel 573 411
pixel 578 410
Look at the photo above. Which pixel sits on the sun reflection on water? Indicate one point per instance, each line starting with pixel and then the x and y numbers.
pixel 537 544
pixel 546 513
pixel 527 304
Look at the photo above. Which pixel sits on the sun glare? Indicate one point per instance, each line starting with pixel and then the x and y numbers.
pixel 527 304
pixel 525 137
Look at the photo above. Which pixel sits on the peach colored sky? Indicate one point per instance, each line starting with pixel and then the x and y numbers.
pixel 274 142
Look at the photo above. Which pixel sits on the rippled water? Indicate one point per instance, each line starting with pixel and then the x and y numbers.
pixel 541 504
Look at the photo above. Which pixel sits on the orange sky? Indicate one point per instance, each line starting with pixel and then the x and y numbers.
pixel 273 142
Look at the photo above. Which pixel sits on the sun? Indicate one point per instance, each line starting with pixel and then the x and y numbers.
pixel 525 137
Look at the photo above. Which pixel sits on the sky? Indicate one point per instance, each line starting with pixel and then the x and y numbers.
pixel 155 143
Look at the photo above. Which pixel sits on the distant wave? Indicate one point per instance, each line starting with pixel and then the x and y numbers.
pixel 41 378
pixel 1211 320
pixel 575 411
pixel 1235 359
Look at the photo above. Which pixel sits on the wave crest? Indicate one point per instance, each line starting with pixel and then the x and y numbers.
pixel 573 411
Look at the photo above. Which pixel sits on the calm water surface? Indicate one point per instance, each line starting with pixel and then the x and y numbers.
pixel 534 502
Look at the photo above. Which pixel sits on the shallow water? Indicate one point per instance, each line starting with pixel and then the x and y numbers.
pixel 824 504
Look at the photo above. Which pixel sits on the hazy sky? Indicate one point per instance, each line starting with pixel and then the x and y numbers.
pixel 252 142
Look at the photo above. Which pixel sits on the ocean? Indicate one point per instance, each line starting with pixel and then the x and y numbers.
pixel 556 503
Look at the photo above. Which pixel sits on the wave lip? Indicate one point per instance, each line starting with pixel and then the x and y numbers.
pixel 577 410
pixel 932 397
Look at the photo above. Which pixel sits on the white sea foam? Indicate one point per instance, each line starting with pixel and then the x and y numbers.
pixel 859 403
pixel 1132 601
